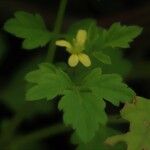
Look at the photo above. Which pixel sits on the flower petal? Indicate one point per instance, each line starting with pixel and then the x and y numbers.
pixel 84 59
pixel 73 60
pixel 64 43
pixel 81 37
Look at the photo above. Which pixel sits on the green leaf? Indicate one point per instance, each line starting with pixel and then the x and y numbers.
pixel 138 138
pixel 83 111
pixel 84 107
pixel 48 82
pixel 102 57
pixel 82 102
pixel 29 27
pixel 109 86
pixel 119 36
pixel 78 103
pixel 97 143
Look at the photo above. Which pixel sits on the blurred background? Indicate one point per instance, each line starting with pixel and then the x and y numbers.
pixel 15 62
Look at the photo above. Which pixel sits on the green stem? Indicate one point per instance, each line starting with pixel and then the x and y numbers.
pixel 43 133
pixel 57 28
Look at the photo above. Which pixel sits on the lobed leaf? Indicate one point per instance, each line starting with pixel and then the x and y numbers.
pixel 82 102
pixel 84 107
pixel 48 82
pixel 29 27
pixel 119 36
pixel 139 135
pixel 84 112
pixel 109 86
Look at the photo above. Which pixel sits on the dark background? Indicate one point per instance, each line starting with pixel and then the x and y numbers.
pixel 130 12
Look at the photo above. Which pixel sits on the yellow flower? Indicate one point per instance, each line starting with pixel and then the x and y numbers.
pixel 75 49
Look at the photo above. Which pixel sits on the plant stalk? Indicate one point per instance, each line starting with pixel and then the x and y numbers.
pixel 57 29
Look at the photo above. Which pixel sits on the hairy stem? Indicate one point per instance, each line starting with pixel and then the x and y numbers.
pixel 57 28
